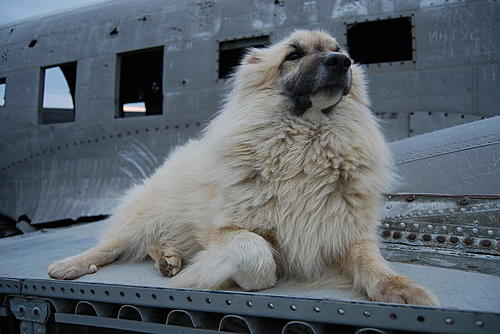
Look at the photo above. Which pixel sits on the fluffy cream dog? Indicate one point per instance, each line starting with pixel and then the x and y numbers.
pixel 285 182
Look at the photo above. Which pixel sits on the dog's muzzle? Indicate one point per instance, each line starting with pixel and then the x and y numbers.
pixel 337 62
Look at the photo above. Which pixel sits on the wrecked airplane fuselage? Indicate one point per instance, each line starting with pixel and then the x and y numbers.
pixel 143 77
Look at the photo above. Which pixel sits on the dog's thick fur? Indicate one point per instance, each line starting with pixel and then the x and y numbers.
pixel 284 183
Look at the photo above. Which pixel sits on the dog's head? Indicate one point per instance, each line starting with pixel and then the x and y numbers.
pixel 309 68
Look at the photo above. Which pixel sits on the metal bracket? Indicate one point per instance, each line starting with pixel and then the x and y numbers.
pixel 33 314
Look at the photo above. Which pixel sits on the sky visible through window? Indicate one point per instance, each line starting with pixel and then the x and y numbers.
pixel 2 92
pixel 56 93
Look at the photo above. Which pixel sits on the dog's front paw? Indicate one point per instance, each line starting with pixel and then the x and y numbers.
pixel 400 289
pixel 70 269
pixel 169 265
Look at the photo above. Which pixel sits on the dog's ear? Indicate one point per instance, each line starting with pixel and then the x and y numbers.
pixel 252 56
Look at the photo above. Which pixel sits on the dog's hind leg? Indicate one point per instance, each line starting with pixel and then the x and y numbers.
pixel 87 262
pixel 231 254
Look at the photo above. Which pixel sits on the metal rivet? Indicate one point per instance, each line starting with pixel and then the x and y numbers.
pixel 490 232
pixel 430 227
pixel 468 240
pixel 388 207
pixel 228 302
pixel 449 321
pixel 208 300
pixel 416 226
pixel 475 230
pixel 366 314
pixel 402 224
pixel 460 230
pixel 430 212
pixel 36 311
pixel 464 201
pixel 444 228
pixel 293 307
pixel 341 311
pixel 452 210
pixel 316 309
pixel 21 309
pixel 386 225
pixel 479 323
pixel 270 305
pixel 485 243
pixel 463 209
pixel 249 303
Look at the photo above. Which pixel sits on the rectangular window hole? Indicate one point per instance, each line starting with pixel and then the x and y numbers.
pixel 59 86
pixel 140 84
pixel 231 52
pixel 3 85
pixel 380 41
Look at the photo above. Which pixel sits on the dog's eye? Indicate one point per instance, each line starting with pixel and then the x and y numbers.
pixel 294 56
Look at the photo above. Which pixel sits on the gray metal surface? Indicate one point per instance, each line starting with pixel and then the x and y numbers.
pixel 458 160
pixel 258 313
pixel 459 232
pixel 456 289
pixel 60 171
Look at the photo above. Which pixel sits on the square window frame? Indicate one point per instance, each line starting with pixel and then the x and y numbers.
pixel 41 92
pixel 392 65
pixel 238 43
pixel 118 65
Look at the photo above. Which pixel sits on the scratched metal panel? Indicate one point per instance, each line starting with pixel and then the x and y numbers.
pixel 70 175
pixel 446 90
pixel 395 126
pixel 189 32
pixel 461 34
pixel 458 160
pixel 488 90
pixel 424 122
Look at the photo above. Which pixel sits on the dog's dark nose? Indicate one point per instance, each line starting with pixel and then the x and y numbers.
pixel 337 61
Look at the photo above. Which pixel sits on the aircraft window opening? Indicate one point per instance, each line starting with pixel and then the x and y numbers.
pixel 3 84
pixel 367 46
pixel 140 83
pixel 231 52
pixel 58 92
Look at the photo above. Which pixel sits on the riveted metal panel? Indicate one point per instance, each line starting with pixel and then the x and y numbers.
pixel 9 286
pixel 458 160
pixel 458 35
pixel 189 32
pixel 363 314
pixel 423 122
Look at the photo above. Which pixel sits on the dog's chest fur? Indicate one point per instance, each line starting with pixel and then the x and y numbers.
pixel 299 195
